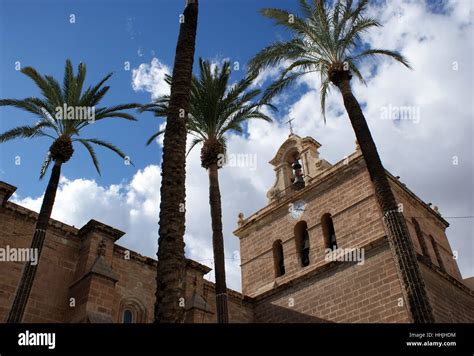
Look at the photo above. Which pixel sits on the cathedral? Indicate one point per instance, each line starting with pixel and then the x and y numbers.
pixel 317 252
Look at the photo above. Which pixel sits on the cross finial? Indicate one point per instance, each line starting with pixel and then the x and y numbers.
pixel 291 126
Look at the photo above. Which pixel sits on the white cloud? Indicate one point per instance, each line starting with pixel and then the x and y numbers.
pixel 270 73
pixel 159 139
pixel 130 207
pixel 218 61
pixel 151 78
pixel 133 208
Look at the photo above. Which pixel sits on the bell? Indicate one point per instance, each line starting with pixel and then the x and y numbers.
pixel 296 165
pixel 298 181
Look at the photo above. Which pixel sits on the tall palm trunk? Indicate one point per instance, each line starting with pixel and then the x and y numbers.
pixel 218 244
pixel 170 274
pixel 398 235
pixel 26 283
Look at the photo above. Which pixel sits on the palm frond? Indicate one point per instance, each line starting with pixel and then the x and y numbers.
pixel 81 76
pixel 356 71
pixel 91 94
pixel 195 141
pixel 109 146
pixel 24 132
pixel 215 107
pixel 323 92
pixel 69 95
pixel 154 137
pixel 40 81
pixel 22 104
pixel 328 34
pixel 278 86
pixel 376 51
pixel 306 8
pixel 69 85
pixel 275 54
pixel 92 153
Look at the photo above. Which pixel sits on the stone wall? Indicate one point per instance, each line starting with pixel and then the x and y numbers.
pixel 339 292
pixel 84 276
pixel 345 192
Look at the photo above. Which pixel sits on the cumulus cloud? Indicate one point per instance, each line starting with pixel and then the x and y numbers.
pixel 159 139
pixel 151 78
pixel 269 73
pixel 133 208
pixel 130 207
pixel 218 61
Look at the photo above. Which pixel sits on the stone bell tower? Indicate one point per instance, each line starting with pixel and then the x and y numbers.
pixel 318 251
pixel 302 151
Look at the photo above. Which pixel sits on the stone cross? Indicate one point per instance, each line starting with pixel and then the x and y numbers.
pixel 291 126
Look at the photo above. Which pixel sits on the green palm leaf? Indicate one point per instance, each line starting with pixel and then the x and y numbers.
pixel 215 107
pixel 72 95
pixel 323 37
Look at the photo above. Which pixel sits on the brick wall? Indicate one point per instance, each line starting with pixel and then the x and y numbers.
pixel 339 292
pixel 431 225
pixel 347 196
pixel 49 297
pixel 102 285
pixel 452 302
pixel 136 283
pixel 240 308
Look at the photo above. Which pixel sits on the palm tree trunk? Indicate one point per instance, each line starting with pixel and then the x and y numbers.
pixel 398 235
pixel 218 244
pixel 26 283
pixel 170 274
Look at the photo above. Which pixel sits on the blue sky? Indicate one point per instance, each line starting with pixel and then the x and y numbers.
pixel 105 35
pixel 433 35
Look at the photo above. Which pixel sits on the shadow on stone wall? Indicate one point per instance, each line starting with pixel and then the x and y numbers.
pixel 276 314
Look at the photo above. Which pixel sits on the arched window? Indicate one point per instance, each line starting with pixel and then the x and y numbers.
pixel 437 253
pixel 421 239
pixel 127 316
pixel 328 231
pixel 131 310
pixel 278 258
pixel 302 242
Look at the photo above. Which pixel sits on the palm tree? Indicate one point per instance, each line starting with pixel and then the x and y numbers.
pixel 328 40
pixel 215 110
pixel 63 113
pixel 170 273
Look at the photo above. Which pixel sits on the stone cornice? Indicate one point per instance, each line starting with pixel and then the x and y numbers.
pixel 445 275
pixel 27 214
pixel 6 191
pixel 230 292
pixel 96 226
pixel 412 195
pixel 294 140
pixel 135 256
pixel 120 250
